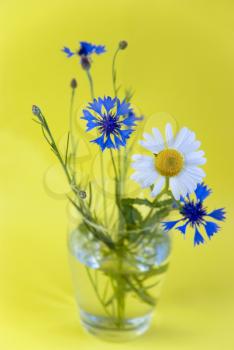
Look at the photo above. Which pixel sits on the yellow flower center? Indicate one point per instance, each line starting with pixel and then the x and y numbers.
pixel 169 162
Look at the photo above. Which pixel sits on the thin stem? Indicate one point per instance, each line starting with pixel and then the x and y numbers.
pixel 114 74
pixel 55 148
pixel 118 178
pixel 114 165
pixel 67 147
pixel 103 191
pixel 97 294
pixel 90 79
pixel 157 198
pixel 71 119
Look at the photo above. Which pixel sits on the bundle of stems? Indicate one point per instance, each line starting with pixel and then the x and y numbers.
pixel 133 229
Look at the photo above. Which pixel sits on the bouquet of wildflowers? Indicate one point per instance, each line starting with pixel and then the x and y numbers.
pixel 120 238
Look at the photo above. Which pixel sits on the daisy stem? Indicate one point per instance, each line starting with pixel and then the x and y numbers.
pixel 166 188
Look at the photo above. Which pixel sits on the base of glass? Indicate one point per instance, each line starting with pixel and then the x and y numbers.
pixel 102 328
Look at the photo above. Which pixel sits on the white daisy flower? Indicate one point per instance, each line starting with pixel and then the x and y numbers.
pixel 177 159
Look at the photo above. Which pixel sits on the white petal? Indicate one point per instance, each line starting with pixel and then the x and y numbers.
pixel 148 137
pixel 144 166
pixel 197 154
pixel 143 179
pixel 158 186
pixel 169 135
pixel 196 171
pixel 195 175
pixel 143 162
pixel 188 181
pixel 140 157
pixel 198 161
pixel 188 140
pixel 182 187
pixel 181 136
pixel 149 146
pixel 173 184
pixel 158 139
pixel 195 158
pixel 190 147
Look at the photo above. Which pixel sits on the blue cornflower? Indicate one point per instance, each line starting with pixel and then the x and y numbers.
pixel 85 51
pixel 113 119
pixel 195 215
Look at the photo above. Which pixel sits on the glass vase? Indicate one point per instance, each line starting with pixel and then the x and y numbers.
pixel 117 290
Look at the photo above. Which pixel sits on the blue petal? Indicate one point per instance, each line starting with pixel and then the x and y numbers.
pixel 68 52
pixel 130 120
pixel 218 214
pixel 98 49
pixel 109 143
pixel 88 116
pixel 211 228
pixel 182 199
pixel 119 142
pixel 108 102
pixel 202 192
pixel 182 228
pixel 122 108
pixel 198 237
pixel 100 142
pixel 96 106
pixel 125 134
pixel 168 225
pixel 91 125
pixel 86 48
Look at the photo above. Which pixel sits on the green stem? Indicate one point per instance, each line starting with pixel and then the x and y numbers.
pixel 97 294
pixel 157 198
pixel 90 79
pixel 71 119
pixel 120 283
pixel 114 76
pixel 56 151
pixel 120 296
pixel 73 144
pixel 114 165
pixel 103 191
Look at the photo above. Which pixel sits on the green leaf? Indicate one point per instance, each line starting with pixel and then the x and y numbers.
pixel 131 215
pixel 146 202
pixel 154 272
pixel 139 290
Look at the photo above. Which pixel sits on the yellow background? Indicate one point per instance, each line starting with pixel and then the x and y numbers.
pixel 180 60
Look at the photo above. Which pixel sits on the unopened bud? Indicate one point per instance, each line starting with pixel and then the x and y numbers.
pixel 85 62
pixel 73 83
pixel 36 110
pixel 123 45
pixel 82 194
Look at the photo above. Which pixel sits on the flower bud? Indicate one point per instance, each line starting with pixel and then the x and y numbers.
pixel 73 83
pixel 82 194
pixel 85 62
pixel 123 44
pixel 36 110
